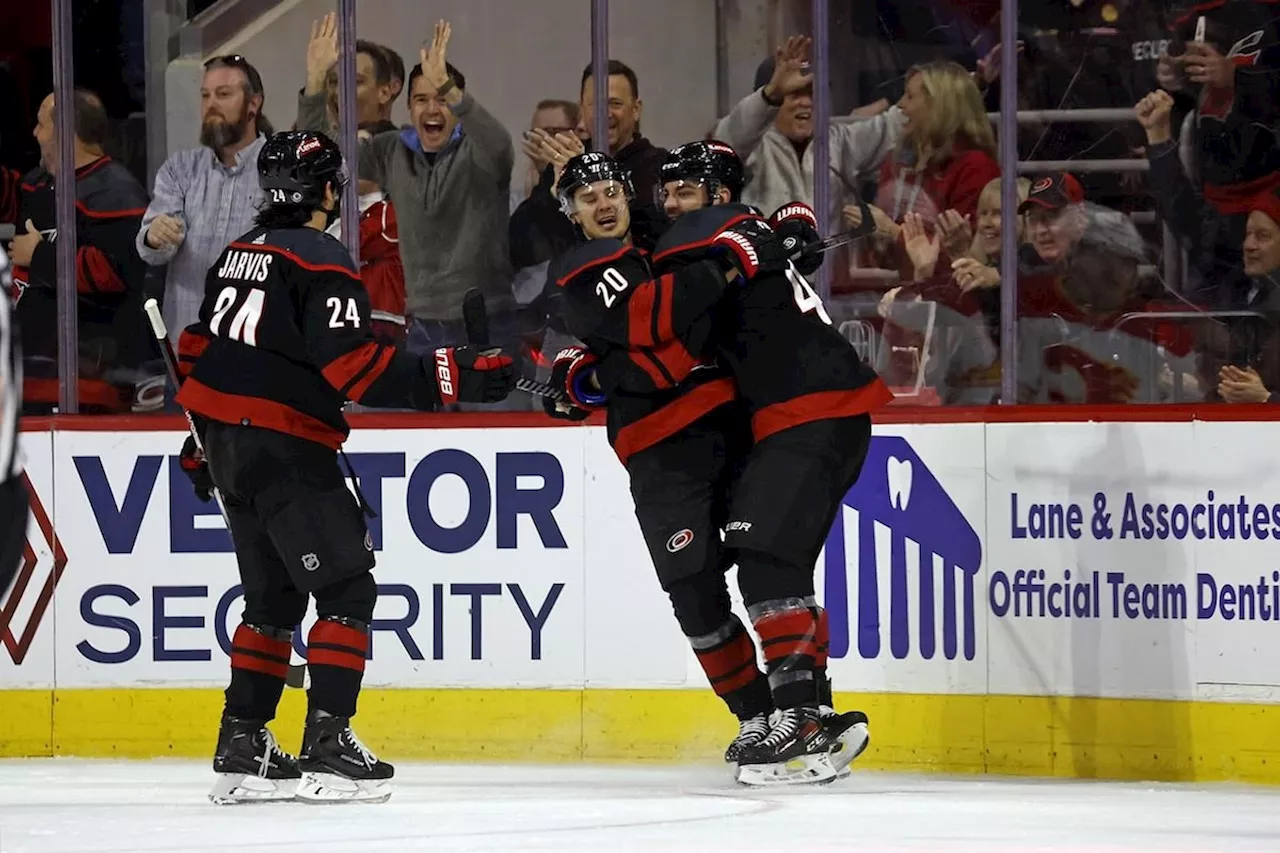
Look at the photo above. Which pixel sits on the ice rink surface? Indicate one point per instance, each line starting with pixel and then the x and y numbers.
pixel 101 806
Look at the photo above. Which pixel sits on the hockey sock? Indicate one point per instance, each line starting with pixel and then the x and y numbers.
pixel 336 649
pixel 728 657
pixel 820 661
pixel 259 664
pixel 788 630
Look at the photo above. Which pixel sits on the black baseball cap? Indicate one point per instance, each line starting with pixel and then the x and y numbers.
pixel 1053 192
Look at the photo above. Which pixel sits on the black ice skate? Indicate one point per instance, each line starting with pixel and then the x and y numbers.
pixel 337 767
pixel 849 730
pixel 251 766
pixel 750 732
pixel 797 751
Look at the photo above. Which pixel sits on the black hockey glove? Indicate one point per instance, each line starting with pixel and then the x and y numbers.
pixel 194 465
pixel 467 375
pixel 797 226
pixel 750 247
pixel 571 372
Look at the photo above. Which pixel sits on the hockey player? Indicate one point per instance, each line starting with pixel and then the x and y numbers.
pixel 808 398
pixel 283 340
pixel 672 416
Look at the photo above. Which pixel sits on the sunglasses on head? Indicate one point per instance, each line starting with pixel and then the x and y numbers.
pixel 235 60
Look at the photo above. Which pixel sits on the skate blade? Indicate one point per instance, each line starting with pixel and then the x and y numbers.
pixel 324 788
pixel 805 770
pixel 851 743
pixel 230 789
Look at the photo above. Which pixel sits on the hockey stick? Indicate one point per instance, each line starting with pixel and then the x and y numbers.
pixel 152 307
pixel 866 227
pixel 475 319
pixel 297 672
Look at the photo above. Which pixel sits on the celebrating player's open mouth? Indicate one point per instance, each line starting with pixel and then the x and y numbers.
pixel 600 208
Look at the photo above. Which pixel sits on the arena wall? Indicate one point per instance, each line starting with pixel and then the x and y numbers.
pixel 1084 599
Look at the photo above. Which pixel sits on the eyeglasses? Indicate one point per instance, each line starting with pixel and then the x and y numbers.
pixel 235 60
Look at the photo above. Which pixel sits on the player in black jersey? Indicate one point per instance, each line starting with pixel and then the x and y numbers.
pixel 807 396
pixel 672 415
pixel 283 341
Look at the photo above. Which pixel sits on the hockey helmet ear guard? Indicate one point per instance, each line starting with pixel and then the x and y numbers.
pixel 589 168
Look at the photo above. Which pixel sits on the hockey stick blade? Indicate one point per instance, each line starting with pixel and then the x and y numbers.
pixel 539 389
pixel 475 319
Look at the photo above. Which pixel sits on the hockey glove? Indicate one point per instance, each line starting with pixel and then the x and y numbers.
pixel 797 227
pixel 749 248
pixel 467 375
pixel 572 371
pixel 194 465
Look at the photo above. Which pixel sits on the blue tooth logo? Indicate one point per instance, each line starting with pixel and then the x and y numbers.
pixel 898 496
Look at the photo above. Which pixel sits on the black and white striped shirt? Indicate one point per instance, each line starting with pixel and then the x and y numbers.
pixel 10 378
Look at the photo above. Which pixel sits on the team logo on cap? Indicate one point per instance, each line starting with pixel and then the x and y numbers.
pixel 1042 185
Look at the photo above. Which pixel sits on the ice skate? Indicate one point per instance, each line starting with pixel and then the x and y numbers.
pixel 750 732
pixel 849 730
pixel 251 766
pixel 336 767
pixel 797 751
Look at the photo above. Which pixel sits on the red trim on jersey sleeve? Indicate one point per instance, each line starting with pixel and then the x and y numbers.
pixel 352 373
pixel 672 418
pixel 135 212
pixel 708 240
pixel 593 263
pixel 256 411
pixel 640 310
pixel 94 272
pixel 821 405
pixel 676 359
pixel 250 247
pixel 642 360
pixel 191 345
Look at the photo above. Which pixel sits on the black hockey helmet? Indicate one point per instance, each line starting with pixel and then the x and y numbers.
pixel 587 169
pixel 296 165
pixel 711 162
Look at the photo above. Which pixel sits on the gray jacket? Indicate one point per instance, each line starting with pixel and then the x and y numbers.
pixel 452 213
pixel 777 175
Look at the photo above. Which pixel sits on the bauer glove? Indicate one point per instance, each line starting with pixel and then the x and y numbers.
pixel 572 372
pixel 467 375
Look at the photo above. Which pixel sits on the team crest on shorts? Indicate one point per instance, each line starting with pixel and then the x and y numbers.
pixel 368 541
pixel 310 562
pixel 680 541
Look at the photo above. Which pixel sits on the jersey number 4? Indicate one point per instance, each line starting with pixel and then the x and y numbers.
pixel 806 299
pixel 244 323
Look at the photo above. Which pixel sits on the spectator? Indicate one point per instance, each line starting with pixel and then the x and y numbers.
pixel 206 197
pixel 772 128
pixel 1081 338
pixel 627 146
pixel 533 244
pixel 108 272
pixel 379 81
pixel 946 154
pixel 450 176
pixel 1253 364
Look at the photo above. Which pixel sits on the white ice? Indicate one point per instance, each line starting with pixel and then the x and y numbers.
pixel 101 806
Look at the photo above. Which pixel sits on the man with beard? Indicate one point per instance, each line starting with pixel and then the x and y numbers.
pixel 206 197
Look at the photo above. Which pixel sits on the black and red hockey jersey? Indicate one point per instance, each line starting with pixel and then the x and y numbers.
pixel 109 279
pixel 791 366
pixel 650 334
pixel 285 339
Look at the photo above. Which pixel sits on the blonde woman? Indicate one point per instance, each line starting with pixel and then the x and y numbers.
pixel 946 155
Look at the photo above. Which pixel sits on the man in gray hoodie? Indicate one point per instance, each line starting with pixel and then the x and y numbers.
pixel 449 176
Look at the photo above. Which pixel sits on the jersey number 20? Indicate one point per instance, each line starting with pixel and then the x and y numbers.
pixel 613 283
pixel 806 299
pixel 244 323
